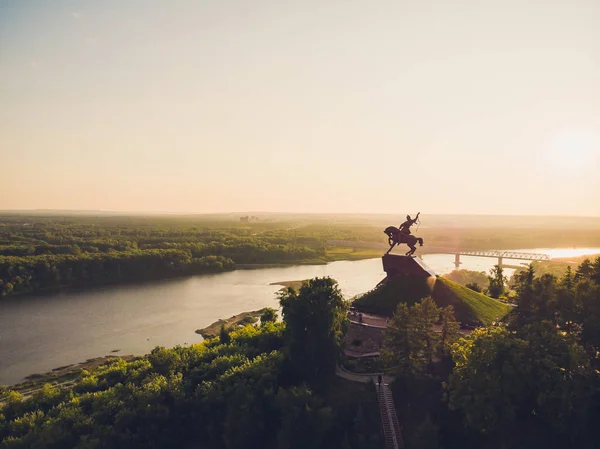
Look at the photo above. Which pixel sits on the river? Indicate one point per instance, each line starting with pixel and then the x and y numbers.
pixel 40 333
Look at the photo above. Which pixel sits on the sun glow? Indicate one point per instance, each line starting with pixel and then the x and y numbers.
pixel 574 150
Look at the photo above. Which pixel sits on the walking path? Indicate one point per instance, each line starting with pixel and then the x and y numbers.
pixel 381 322
pixel 361 377
pixel 389 419
pixel 369 320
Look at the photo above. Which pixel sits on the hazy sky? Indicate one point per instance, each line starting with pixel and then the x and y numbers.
pixel 484 106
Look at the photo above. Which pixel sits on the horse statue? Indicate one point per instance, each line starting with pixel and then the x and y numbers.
pixel 395 237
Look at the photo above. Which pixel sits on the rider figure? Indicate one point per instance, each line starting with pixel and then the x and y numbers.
pixel 405 227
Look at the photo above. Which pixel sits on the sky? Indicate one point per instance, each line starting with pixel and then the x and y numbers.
pixel 383 106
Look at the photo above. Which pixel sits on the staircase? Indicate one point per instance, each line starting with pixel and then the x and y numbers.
pixel 389 420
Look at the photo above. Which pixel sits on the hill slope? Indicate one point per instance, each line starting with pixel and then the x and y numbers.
pixel 471 308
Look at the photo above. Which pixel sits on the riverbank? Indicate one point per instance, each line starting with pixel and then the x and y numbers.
pixel 98 286
pixel 62 376
pixel 66 375
pixel 333 255
pixel 40 333
pixel 241 319
pixel 286 284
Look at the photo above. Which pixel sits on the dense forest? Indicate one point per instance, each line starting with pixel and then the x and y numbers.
pixel 39 253
pixel 43 252
pixel 531 381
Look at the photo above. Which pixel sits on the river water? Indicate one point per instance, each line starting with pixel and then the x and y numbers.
pixel 40 333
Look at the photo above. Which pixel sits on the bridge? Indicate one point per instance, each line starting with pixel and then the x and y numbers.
pixel 499 254
pixel 426 249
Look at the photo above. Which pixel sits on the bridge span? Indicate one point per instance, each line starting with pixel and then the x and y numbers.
pixel 426 249
pixel 499 254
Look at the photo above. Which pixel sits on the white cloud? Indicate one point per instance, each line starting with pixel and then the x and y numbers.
pixel 34 64
pixel 76 15
pixel 91 40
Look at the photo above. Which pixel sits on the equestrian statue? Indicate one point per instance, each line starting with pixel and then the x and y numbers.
pixel 396 236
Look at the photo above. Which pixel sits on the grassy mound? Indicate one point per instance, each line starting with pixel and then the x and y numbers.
pixel 471 308
pixel 384 299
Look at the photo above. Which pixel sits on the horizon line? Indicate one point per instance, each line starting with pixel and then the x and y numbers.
pixel 159 213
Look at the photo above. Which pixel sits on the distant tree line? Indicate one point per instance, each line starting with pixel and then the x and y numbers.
pixel 57 253
pixel 37 273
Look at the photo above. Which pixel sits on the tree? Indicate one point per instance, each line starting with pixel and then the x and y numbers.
pixel 525 298
pixel 564 304
pixel 497 282
pixel 400 344
pixel 426 435
pixel 305 421
pixel 587 296
pixel 269 315
pixel 224 335
pixel 449 329
pixel 425 314
pixel 526 389
pixel 596 271
pixel 474 286
pixel 410 339
pixel 584 271
pixel 465 277
pixel 314 320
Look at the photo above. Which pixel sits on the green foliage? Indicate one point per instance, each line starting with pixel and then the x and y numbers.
pixel 158 401
pixel 411 340
pixel 314 320
pixel 426 435
pixel 224 337
pixel 269 315
pixel 466 277
pixel 400 348
pixel 527 388
pixel 531 383
pixel 497 282
pixel 449 329
pixel 39 253
pixel 424 315
pixel 35 273
pixel 237 393
pixel 572 303
pixel 474 286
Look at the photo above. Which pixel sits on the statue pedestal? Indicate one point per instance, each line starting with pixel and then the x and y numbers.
pixel 395 265
pixel 408 280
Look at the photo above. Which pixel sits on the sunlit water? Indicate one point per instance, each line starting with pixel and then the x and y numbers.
pixel 43 332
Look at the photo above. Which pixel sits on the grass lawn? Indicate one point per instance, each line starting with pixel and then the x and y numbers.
pixel 471 308
pixel 468 304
